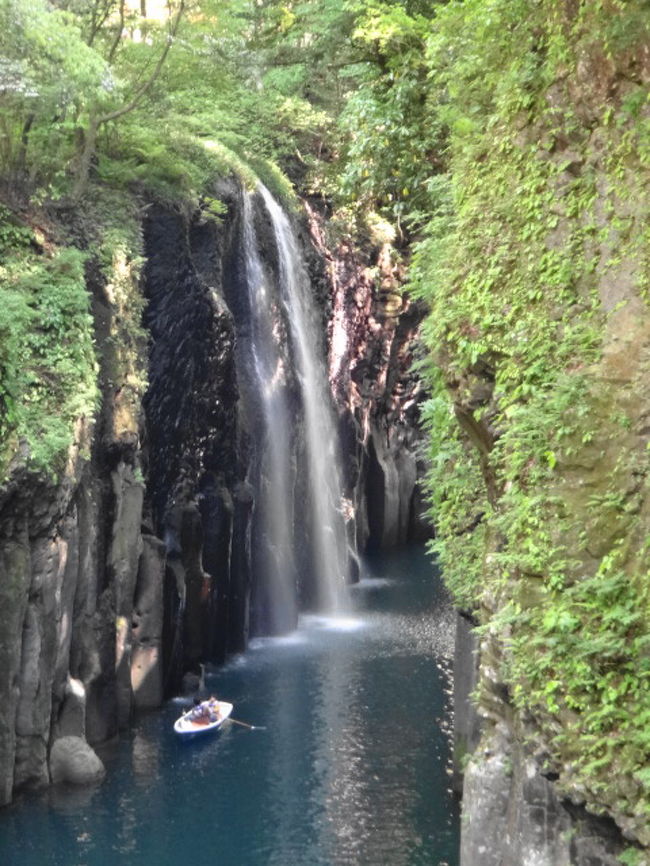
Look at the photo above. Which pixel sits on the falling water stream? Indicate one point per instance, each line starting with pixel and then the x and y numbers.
pixel 321 442
pixel 280 328
pixel 275 486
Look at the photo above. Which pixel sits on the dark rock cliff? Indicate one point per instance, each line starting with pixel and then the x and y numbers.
pixel 138 565
pixel 374 340
pixel 196 449
pixel 75 564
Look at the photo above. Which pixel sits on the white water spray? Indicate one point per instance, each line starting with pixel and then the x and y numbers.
pixel 275 495
pixel 329 542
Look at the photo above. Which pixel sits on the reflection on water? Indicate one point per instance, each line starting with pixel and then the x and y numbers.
pixel 350 769
pixel 145 757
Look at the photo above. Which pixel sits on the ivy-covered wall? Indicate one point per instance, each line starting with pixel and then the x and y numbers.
pixel 536 269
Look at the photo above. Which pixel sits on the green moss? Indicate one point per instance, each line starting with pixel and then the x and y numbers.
pixel 179 166
pixel 534 281
pixel 48 366
pixel 632 857
pixel 459 508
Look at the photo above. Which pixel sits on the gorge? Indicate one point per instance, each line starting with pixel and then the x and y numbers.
pixel 244 498
pixel 285 287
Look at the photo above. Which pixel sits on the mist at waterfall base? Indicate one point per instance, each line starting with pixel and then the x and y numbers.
pixel 351 767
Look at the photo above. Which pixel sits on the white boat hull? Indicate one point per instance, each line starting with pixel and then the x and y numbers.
pixel 186 726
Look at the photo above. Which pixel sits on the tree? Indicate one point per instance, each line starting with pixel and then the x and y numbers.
pixel 64 77
pixel 48 73
pixel 97 119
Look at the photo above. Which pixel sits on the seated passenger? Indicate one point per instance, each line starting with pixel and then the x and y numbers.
pixel 198 710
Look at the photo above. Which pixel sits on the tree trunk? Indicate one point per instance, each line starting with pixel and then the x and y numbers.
pixel 96 121
pixel 85 159
pixel 21 161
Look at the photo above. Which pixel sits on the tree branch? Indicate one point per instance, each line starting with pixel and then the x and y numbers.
pixel 118 33
pixel 145 87
pixel 97 20
pixel 90 138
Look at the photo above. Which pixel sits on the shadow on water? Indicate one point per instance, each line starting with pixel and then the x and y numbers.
pixel 352 767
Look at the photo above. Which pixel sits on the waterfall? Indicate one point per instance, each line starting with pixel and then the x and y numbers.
pixel 274 546
pixel 329 543
pixel 300 522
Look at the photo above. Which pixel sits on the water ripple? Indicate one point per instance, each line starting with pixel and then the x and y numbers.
pixel 352 767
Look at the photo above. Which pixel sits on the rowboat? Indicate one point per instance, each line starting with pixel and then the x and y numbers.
pixel 207 716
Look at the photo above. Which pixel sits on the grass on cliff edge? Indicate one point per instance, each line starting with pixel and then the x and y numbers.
pixel 48 367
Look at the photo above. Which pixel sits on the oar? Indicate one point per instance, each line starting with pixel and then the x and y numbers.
pixel 246 725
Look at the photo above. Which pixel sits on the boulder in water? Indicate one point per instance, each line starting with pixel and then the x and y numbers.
pixel 73 760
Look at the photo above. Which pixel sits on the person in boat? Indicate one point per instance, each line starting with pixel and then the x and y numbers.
pixel 205 711
pixel 198 711
pixel 213 709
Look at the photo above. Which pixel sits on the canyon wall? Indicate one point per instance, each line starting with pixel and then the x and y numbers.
pixel 374 343
pixel 135 566
pixel 540 327
pixel 80 620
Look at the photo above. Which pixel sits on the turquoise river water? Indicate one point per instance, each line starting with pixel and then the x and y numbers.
pixel 351 766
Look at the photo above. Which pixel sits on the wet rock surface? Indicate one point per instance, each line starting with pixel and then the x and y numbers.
pixel 138 566
pixel 72 760
pixel 196 445
pixel 374 341
pixel 518 819
pixel 69 557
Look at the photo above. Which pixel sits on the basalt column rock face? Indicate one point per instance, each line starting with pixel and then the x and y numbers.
pixel 373 331
pixel 69 559
pixel 517 817
pixel 197 446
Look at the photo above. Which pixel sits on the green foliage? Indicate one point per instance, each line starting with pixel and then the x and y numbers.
pixel 47 367
pixel 583 653
pixel 175 166
pixel 394 136
pixel 514 263
pixel 632 857
pixel 458 507
pixel 72 72
pixel 13 235
pixel 49 78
